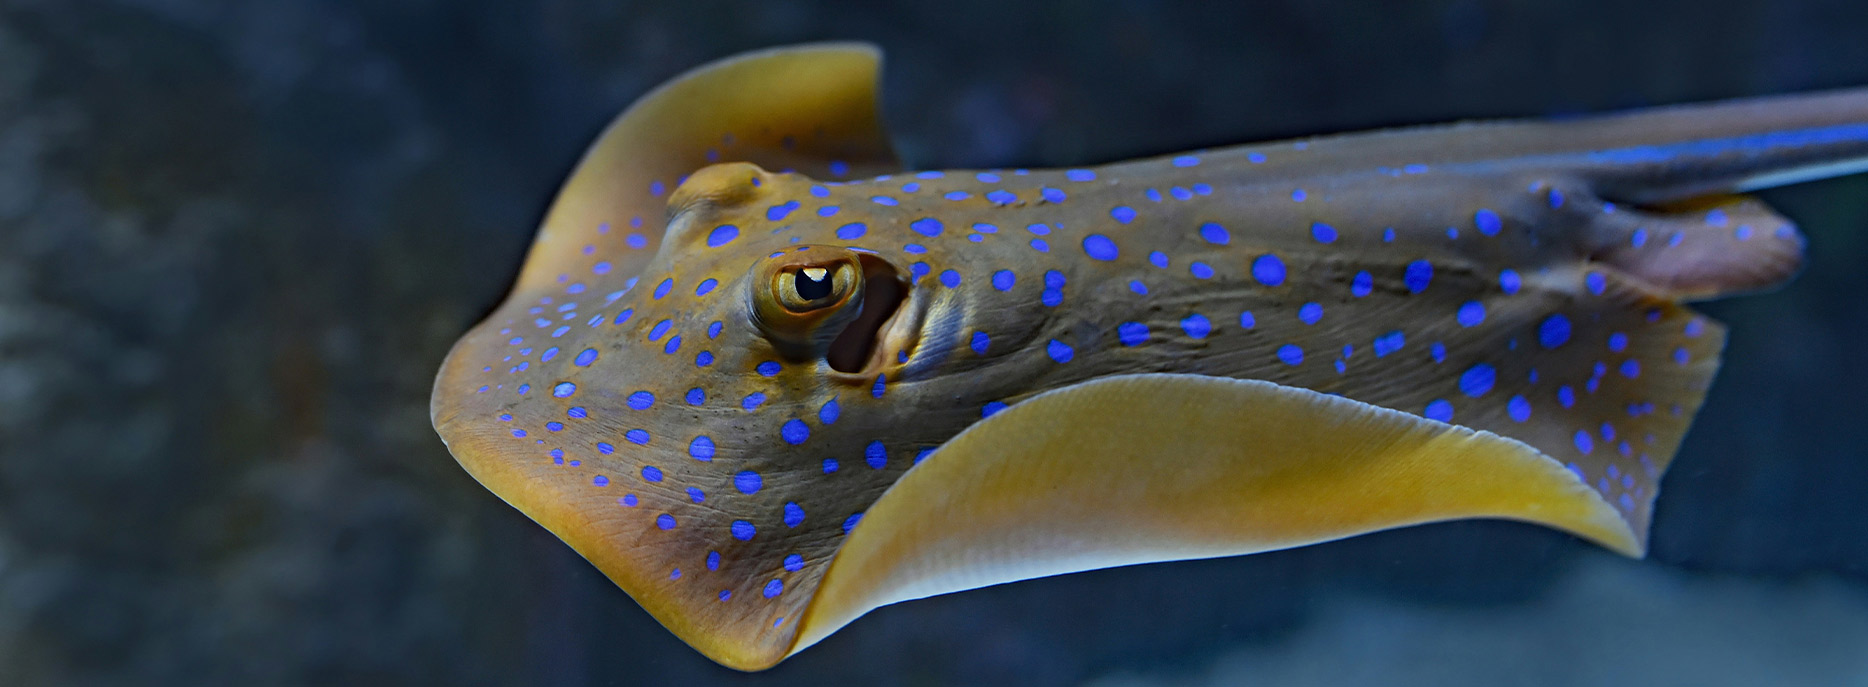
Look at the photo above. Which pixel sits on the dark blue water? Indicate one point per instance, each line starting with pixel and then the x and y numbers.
pixel 237 237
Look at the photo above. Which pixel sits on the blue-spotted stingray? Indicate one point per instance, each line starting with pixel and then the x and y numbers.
pixel 766 380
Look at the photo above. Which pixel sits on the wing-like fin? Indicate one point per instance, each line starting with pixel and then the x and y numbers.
pixel 810 108
pixel 1154 467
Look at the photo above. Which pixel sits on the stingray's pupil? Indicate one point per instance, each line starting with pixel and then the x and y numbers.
pixel 811 289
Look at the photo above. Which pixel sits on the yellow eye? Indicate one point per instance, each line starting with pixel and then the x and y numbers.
pixel 802 299
pixel 811 287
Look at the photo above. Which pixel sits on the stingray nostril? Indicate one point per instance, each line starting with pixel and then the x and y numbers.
pixel 883 294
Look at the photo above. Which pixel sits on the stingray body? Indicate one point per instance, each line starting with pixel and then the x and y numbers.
pixel 767 381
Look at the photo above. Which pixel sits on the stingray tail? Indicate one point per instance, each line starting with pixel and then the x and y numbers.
pixel 1670 213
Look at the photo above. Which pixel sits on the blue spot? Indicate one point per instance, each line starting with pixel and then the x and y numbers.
pixel 768 368
pixel 564 390
pixel 926 226
pixel 577 413
pixel 956 195
pixel 665 521
pixel 703 359
pixel 705 287
pixel 980 342
pixel 628 500
pixel 585 358
pixel 922 454
pixel 1439 409
pixel 1362 285
pixel 1299 195
pixel 1080 175
pixel 828 211
pixel 743 531
pixel 1487 222
pixel 600 481
pixel 651 473
pixel 1291 354
pixel 548 354
pixel 850 523
pixel 752 400
pixel 884 200
pixel 1323 233
pixel 1099 247
pixel 1438 351
pixel 696 396
pixel 701 448
pixel 987 177
pixel 852 231
pixel 1123 214
pixel 1389 343
pixel 1247 321
pixel 605 448
pixel 1003 280
pixel 660 329
pixel 1051 195
pixel 674 344
pixel 1200 270
pixel 1596 283
pixel 991 409
pixel 1478 380
pixel 1618 342
pixel 1158 259
pixel 1051 297
pixel 1555 198
pixel 1186 161
pixel 1509 281
pixel 1554 331
pixel 1256 158
pixel 1585 443
pixel 778 212
pixel 985 228
pixel 1215 234
pixel 880 386
pixel 1471 314
pixel 1039 229
pixel 774 588
pixel 1418 275
pixel 1001 197
pixel 950 279
pixel 713 560
pixel 794 516
pixel 794 562
pixel 1059 351
pixel 554 426
pixel 876 455
pixel 1566 396
pixel 1268 270
pixel 724 234
pixel 830 465
pixel 1310 313
pixel 1040 246
pixel 641 400
pixel 1518 408
pixel 748 482
pixel 623 316
pixel 637 436
pixel 1138 287
pixel 1132 333
pixel 1631 368
pixel 1388 235
pixel 794 431
pixel 1196 326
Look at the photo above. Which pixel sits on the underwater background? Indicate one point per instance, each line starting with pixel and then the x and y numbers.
pixel 237 238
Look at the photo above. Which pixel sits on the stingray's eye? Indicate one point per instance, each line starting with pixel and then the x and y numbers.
pixel 803 288
pixel 824 302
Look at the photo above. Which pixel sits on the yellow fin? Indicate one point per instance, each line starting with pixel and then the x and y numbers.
pixel 809 108
pixel 1155 467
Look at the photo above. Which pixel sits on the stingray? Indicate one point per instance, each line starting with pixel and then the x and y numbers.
pixel 766 380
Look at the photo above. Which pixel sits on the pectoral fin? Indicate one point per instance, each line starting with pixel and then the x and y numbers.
pixel 1142 468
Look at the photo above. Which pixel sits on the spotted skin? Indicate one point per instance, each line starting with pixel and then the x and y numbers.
pixel 1521 279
